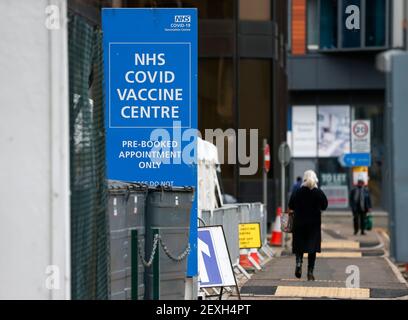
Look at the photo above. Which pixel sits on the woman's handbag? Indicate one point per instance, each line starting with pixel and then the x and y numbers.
pixel 287 222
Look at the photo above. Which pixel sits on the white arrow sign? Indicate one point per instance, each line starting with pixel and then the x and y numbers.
pixel 214 263
pixel 203 249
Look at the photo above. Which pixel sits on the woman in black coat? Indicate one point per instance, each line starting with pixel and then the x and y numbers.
pixel 307 204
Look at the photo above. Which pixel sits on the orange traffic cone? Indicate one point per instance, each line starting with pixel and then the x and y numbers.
pixel 276 239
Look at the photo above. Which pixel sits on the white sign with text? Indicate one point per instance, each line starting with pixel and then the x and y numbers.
pixel 304 131
pixel 361 136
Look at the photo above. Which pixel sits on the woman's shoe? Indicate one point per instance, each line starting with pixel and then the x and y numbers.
pixel 310 276
pixel 298 271
pixel 299 262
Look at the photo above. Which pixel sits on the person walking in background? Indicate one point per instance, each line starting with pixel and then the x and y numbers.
pixel 360 202
pixel 296 186
pixel 306 205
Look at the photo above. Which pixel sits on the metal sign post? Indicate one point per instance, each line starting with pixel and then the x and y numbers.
pixel 284 155
pixel 266 167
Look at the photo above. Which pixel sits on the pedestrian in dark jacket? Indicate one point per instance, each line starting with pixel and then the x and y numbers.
pixel 307 204
pixel 360 202
pixel 296 186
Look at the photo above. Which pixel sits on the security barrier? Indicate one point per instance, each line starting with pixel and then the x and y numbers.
pixel 244 212
pixel 254 212
pixel 230 216
pixel 230 226
pixel 258 214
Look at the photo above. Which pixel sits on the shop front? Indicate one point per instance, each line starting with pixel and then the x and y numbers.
pixel 321 135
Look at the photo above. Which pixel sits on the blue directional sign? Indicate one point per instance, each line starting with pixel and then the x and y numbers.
pixel 355 160
pixel 214 264
pixel 150 63
pixel 210 273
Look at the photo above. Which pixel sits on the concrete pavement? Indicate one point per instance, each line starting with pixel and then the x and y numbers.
pixel 350 267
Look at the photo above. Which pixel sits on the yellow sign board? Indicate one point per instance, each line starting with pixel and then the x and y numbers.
pixel 360 173
pixel 249 236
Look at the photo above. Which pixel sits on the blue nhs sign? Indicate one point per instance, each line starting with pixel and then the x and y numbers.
pixel 150 66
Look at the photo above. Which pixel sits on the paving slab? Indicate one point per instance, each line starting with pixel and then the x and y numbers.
pixel 374 272
pixel 343 255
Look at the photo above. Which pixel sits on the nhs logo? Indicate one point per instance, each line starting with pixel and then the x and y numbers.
pixel 182 18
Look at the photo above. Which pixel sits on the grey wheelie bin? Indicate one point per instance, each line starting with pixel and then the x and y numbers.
pixel 118 194
pixel 126 209
pixel 167 233
pixel 135 211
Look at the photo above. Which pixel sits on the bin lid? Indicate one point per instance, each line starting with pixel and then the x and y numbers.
pixel 137 187
pixel 117 185
pixel 171 189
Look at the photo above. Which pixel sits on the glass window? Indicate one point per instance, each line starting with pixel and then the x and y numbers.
pixel 255 102
pixel 357 16
pixel 333 131
pixel 332 166
pixel 215 100
pixel 215 93
pixel 375 23
pixel 259 10
pixel 328 24
pixel 333 180
pixel 220 9
pixel 351 36
pixel 313 24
